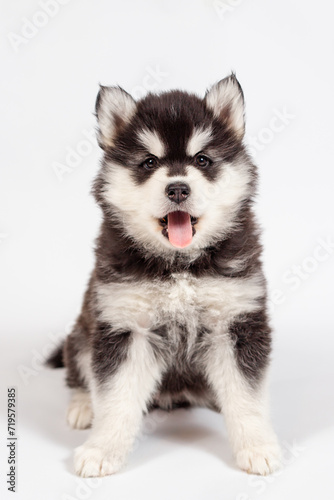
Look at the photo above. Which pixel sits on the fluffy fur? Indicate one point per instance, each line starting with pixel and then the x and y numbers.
pixel 165 324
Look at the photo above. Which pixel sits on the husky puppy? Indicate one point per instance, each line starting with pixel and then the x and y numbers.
pixel 175 309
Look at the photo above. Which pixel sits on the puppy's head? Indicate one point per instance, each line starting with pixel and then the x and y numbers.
pixel 175 172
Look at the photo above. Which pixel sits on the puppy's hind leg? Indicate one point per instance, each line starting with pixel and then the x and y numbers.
pixel 79 373
pixel 126 372
pixel 80 412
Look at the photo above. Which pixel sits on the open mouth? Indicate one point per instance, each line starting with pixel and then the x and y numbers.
pixel 179 228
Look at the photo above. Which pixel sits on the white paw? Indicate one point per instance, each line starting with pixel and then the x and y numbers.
pixel 80 413
pixel 262 459
pixel 90 461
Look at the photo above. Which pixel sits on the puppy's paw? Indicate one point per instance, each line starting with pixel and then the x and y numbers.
pixel 262 459
pixel 80 413
pixel 90 461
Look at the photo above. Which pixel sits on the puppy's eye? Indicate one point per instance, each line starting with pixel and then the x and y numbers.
pixel 202 160
pixel 149 163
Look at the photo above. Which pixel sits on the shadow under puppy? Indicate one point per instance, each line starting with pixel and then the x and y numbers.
pixel 175 309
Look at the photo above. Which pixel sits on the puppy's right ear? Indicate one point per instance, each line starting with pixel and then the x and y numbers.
pixel 114 109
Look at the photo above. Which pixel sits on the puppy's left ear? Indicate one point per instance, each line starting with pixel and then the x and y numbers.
pixel 114 109
pixel 226 100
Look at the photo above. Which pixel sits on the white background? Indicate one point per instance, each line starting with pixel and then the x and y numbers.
pixel 282 53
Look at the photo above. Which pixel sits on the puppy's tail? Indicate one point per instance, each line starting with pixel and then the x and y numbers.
pixel 56 358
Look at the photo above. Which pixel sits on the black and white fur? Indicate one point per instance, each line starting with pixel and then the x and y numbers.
pixel 163 326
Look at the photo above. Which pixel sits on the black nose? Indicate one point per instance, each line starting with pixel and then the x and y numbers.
pixel 177 192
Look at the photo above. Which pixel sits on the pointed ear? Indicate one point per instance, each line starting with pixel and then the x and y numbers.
pixel 226 100
pixel 114 109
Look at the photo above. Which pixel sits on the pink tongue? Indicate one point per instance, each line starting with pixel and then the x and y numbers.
pixel 180 232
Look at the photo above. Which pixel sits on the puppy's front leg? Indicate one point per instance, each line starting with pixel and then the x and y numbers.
pixel 125 374
pixel 236 371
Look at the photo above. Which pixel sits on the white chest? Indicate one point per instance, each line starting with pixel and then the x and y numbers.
pixel 183 299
